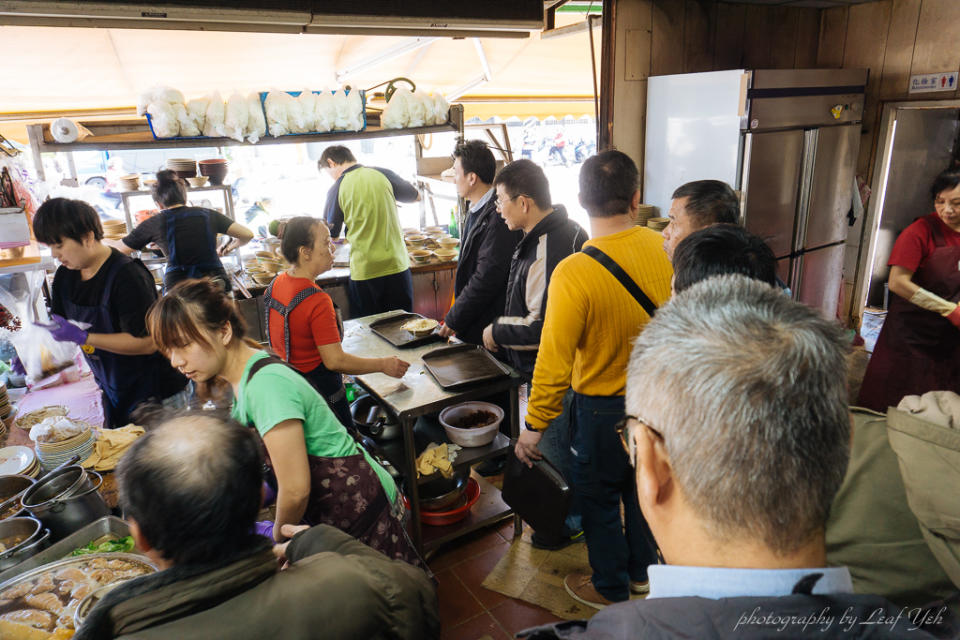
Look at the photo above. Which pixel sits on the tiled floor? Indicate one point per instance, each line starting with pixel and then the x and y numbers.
pixel 467 610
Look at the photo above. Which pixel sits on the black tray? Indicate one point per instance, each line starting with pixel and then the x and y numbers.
pixel 389 329
pixel 462 364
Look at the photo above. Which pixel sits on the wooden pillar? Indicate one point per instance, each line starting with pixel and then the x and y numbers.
pixel 625 66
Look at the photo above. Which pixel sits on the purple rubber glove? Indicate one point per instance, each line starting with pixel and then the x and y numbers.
pixel 269 495
pixel 17 366
pixel 264 528
pixel 63 330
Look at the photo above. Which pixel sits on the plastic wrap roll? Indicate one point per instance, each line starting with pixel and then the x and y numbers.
pixel 64 130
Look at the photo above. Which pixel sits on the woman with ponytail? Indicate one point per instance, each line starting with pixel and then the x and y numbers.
pixel 187 235
pixel 321 475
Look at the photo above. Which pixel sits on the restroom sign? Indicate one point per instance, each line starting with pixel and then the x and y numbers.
pixel 930 82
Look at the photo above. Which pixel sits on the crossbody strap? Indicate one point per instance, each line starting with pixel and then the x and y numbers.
pixel 623 278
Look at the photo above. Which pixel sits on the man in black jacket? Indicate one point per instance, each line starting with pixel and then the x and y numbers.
pixel 738 431
pixel 485 249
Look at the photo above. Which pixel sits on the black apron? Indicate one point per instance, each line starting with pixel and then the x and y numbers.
pixel 917 350
pixel 328 384
pixel 209 265
pixel 126 381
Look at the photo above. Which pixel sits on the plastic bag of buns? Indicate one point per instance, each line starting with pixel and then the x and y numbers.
pixel 41 355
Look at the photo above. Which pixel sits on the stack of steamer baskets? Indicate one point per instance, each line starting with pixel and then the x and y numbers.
pixel 114 229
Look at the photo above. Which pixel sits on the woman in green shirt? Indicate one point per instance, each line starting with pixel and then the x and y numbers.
pixel 322 475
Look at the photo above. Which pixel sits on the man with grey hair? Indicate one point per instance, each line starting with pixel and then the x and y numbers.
pixel 738 431
pixel 191 490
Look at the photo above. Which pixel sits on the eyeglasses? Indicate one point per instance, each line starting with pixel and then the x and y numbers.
pixel 501 202
pixel 623 430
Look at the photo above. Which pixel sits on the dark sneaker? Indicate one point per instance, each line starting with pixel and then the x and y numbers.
pixel 555 544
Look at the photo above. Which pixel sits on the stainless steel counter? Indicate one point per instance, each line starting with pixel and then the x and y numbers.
pixel 418 394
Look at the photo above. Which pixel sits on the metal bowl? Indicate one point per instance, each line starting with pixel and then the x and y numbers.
pixel 374 420
pixel 439 492
pixel 35 537
pixel 11 486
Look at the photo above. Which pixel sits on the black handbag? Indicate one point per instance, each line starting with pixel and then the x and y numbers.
pixel 538 494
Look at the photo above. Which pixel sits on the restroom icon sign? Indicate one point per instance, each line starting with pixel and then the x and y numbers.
pixel 933 82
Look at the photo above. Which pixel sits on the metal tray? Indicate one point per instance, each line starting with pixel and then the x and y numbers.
pixel 389 329
pixel 107 525
pixel 462 364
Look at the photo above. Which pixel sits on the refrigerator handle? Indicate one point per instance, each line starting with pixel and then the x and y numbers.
pixel 746 150
pixel 810 138
pixel 796 275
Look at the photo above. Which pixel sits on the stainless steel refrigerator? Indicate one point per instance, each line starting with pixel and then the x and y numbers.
pixel 787 140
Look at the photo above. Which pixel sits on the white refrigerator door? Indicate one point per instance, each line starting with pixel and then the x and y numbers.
pixel 693 131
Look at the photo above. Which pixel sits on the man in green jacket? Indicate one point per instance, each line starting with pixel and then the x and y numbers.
pixel 191 489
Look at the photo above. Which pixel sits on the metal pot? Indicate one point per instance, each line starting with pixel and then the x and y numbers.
pixel 374 420
pixel 439 492
pixel 64 512
pixel 11 486
pixel 37 538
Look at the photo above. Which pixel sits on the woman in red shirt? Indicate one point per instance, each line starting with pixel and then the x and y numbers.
pixel 303 324
pixel 919 346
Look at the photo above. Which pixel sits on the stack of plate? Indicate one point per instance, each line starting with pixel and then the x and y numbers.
pixel 114 229
pixel 658 224
pixel 5 407
pixel 19 461
pixel 185 167
pixel 53 454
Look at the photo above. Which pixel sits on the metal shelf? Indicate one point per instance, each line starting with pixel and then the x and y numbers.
pixel 134 134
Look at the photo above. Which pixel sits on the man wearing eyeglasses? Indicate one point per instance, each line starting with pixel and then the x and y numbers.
pixel 549 236
pixel 738 435
pixel 592 318
pixel 486 245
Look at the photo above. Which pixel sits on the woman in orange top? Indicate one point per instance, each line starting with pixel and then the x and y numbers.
pixel 303 323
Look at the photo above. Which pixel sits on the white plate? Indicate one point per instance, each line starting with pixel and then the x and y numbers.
pixel 13 460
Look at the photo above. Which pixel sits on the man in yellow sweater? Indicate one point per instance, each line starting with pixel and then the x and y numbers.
pixel 590 323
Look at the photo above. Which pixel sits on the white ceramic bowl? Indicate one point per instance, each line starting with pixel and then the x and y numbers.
pixel 474 436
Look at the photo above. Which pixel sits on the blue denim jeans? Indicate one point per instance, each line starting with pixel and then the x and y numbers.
pixel 618 550
pixel 555 445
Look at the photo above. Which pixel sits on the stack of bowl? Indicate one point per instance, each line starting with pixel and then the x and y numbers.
pixel 130 182
pixel 445 255
pixel 644 213
pixel 215 169
pixel 421 256
pixel 5 406
pixel 114 229
pixel 415 241
pixel 448 242
pixel 185 167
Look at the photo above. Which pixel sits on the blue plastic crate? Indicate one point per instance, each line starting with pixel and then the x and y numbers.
pixel 295 94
